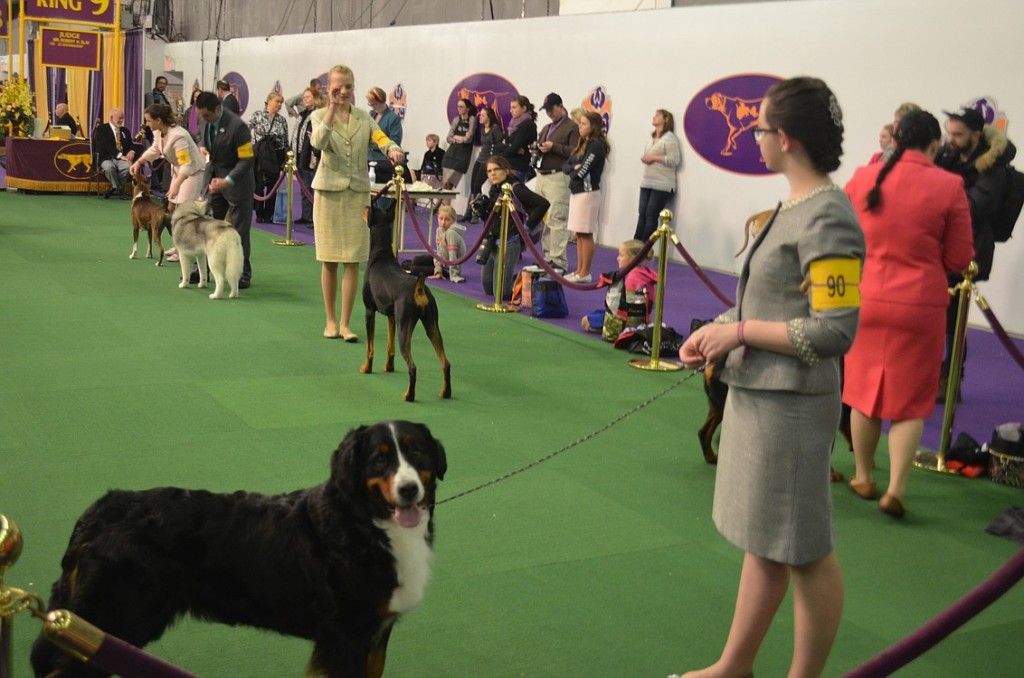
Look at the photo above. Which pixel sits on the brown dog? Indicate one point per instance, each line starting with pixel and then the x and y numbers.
pixel 716 390
pixel 404 299
pixel 147 215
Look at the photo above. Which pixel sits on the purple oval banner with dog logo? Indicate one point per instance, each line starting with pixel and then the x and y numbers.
pixel 239 88
pixel 484 89
pixel 719 120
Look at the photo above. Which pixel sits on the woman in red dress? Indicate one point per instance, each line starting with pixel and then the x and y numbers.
pixel 917 227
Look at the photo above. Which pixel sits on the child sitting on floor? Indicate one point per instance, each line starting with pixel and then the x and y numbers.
pixel 628 300
pixel 449 245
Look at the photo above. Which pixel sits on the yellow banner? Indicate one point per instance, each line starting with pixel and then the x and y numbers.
pixel 91 12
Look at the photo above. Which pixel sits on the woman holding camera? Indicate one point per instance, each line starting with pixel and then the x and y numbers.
pixel 522 133
pixel 499 172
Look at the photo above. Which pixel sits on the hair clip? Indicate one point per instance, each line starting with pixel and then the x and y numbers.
pixel 835 111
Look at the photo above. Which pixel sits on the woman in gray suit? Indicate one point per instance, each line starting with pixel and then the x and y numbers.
pixel 343 134
pixel 797 305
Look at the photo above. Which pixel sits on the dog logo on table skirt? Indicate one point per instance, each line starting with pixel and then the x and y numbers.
pixel 338 563
pixel 404 299
pixel 202 239
pixel 149 216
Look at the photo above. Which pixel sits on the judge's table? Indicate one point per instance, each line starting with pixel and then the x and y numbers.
pixel 52 166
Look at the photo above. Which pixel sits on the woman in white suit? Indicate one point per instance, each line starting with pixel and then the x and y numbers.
pixel 178 149
pixel 343 134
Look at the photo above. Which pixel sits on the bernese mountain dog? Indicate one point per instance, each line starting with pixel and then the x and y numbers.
pixel 337 563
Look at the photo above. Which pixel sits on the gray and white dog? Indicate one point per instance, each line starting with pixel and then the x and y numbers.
pixel 201 238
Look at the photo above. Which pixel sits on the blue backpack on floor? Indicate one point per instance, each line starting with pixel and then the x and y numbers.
pixel 548 298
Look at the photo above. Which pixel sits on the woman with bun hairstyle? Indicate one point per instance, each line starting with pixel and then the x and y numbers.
pixel 782 343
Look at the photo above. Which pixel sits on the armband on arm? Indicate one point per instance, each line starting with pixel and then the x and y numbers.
pixel 835 283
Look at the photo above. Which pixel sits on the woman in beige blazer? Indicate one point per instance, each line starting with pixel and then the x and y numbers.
pixel 343 134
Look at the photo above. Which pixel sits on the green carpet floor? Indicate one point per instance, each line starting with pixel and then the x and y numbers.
pixel 600 561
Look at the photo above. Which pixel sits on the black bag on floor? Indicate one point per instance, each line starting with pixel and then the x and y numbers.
pixel 639 340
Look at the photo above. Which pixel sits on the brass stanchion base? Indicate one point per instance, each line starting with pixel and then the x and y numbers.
pixel 655 365
pixel 497 308
pixel 289 243
pixel 931 461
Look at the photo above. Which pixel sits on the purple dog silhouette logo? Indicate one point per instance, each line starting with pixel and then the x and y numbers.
pixel 719 118
pixel 484 89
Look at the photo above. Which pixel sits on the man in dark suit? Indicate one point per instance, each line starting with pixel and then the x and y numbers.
pixel 227 97
pixel 63 118
pixel 229 170
pixel 112 144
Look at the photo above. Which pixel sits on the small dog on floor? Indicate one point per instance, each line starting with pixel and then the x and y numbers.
pixel 716 391
pixel 404 299
pixel 337 563
pixel 148 215
pixel 201 238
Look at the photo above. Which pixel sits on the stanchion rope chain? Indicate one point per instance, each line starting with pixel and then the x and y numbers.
pixel 577 442
pixel 411 211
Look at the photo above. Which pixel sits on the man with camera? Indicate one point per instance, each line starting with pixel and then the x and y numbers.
pixel 555 144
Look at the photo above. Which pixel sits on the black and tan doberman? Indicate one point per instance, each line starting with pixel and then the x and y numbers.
pixel 404 299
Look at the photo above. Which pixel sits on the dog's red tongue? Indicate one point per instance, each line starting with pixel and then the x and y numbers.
pixel 408 516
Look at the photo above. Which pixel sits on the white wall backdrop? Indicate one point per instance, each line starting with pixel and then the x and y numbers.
pixel 875 54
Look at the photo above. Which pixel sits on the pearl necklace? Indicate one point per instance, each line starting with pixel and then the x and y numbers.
pixel 824 188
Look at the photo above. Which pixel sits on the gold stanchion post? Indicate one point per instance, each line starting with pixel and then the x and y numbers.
pixel 399 239
pixel 936 461
pixel 655 363
pixel 12 600
pixel 289 170
pixel 506 209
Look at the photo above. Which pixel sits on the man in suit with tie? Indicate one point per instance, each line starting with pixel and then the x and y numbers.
pixel 112 144
pixel 227 97
pixel 226 141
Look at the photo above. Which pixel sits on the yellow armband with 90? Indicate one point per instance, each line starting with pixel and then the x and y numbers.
pixel 835 283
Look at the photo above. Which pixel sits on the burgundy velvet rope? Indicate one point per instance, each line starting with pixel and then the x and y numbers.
pixel 913 646
pixel 410 208
pixel 538 257
pixel 302 187
pixel 273 191
pixel 1004 338
pixel 703 276
pixel 124 659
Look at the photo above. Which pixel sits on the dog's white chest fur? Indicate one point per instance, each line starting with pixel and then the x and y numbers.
pixel 413 559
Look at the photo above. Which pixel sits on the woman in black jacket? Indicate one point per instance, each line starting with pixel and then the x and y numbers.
pixel 491 138
pixel 585 167
pixel 522 132
pixel 499 172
